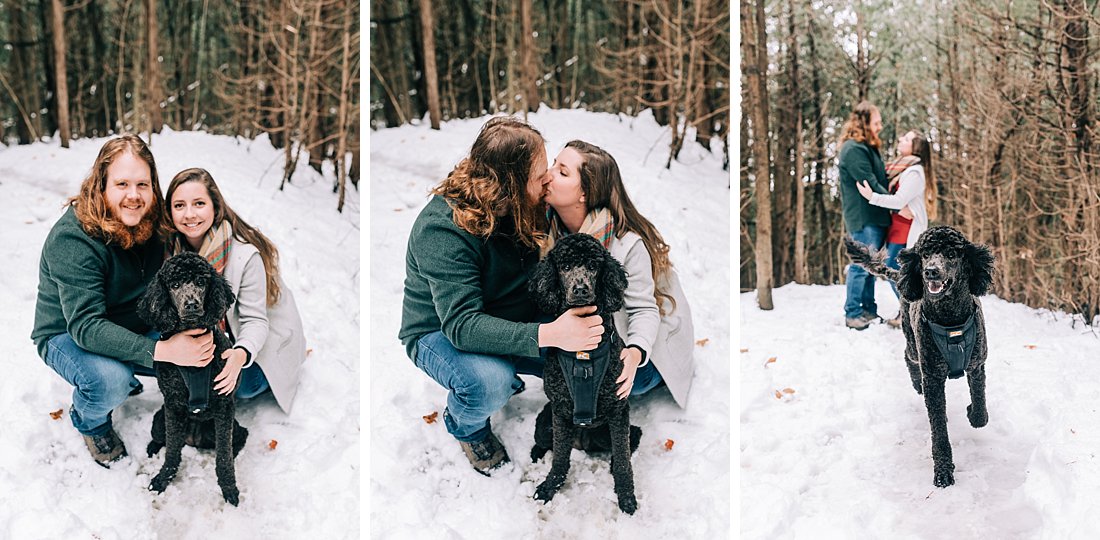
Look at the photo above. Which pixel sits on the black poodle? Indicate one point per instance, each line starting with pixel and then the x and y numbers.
pixel 580 272
pixel 939 281
pixel 187 293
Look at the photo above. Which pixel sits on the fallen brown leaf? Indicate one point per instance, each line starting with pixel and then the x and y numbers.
pixel 668 444
pixel 271 445
pixel 309 351
pixel 702 342
pixel 56 415
pixel 788 390
pixel 430 418
pixel 1029 346
pixel 744 350
pixel 770 361
pixel 778 395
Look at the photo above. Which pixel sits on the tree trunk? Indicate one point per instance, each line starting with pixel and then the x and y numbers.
pixel 529 70
pixel 152 72
pixel 427 33
pixel 755 67
pixel 60 79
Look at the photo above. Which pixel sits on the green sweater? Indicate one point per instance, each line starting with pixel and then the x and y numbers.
pixel 473 289
pixel 858 162
pixel 90 290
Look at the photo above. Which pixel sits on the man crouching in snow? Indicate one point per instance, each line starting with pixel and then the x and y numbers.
pixel 466 319
pixel 95 265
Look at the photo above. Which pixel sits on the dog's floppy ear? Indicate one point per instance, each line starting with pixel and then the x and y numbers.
pixel 610 285
pixel 219 296
pixel 911 283
pixel 545 287
pixel 156 307
pixel 980 261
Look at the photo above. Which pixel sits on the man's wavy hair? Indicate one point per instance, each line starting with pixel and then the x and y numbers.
pixel 90 205
pixel 858 126
pixel 494 177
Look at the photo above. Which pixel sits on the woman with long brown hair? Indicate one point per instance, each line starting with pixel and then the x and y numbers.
pixel 466 318
pixel 268 341
pixel 860 160
pixel 587 195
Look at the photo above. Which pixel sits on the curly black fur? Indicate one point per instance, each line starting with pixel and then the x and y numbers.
pixel 959 271
pixel 577 272
pixel 177 426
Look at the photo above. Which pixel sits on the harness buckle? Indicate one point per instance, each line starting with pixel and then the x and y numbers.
pixel 581 355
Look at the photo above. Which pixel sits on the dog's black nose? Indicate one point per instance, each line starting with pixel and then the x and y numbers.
pixel 933 274
pixel 191 305
pixel 580 289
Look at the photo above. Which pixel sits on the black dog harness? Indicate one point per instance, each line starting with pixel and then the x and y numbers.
pixel 197 380
pixel 956 343
pixel 584 372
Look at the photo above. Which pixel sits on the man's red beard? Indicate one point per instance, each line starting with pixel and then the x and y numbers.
pixel 128 237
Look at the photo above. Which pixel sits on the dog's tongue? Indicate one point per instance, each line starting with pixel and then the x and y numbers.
pixel 935 287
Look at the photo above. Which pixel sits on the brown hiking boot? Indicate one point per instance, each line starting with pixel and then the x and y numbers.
pixel 485 455
pixel 106 448
pixel 895 322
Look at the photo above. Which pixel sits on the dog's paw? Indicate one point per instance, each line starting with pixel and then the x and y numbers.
pixel 537 452
pixel 153 448
pixel 977 419
pixel 545 491
pixel 159 483
pixel 945 476
pixel 232 495
pixel 628 503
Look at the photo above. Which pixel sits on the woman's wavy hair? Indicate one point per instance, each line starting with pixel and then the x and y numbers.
pixel 90 205
pixel 922 148
pixel 242 231
pixel 858 126
pixel 494 177
pixel 602 184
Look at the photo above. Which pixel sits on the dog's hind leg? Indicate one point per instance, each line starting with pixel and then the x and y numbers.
pixel 936 402
pixel 157 432
pixel 910 349
pixel 976 412
pixel 559 467
pixel 544 433
pixel 621 469
pixel 227 478
pixel 174 424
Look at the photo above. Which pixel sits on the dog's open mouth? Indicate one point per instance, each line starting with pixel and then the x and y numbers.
pixel 936 287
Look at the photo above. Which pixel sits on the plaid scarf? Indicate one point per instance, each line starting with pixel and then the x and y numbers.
pixel 215 249
pixel 598 223
pixel 897 166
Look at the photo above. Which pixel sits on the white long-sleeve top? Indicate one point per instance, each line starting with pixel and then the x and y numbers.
pixel 910 192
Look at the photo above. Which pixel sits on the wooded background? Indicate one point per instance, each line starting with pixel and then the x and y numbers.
pixel 489 56
pixel 92 68
pixel 1006 89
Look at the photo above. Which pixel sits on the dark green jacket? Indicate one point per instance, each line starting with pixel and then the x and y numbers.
pixel 859 162
pixel 473 289
pixel 90 290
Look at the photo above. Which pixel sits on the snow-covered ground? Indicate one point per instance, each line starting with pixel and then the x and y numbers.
pixel 848 453
pixel 421 484
pixel 306 487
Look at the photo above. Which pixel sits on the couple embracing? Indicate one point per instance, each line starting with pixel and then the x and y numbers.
pixel 467 320
pixel 884 205
pixel 98 260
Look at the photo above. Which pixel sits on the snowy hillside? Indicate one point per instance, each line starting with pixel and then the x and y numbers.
pixel 307 486
pixel 422 486
pixel 848 453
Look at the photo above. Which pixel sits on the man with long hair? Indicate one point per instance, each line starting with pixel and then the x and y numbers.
pixel 95 265
pixel 466 318
pixel 860 160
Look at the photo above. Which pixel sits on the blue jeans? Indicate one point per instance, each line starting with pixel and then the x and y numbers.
pixel 892 251
pixel 252 383
pixel 100 383
pixel 478 384
pixel 645 379
pixel 860 285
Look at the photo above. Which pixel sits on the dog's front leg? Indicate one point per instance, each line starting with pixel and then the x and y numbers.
pixel 223 433
pixel 174 425
pixel 976 411
pixel 621 470
pixel 936 402
pixel 559 468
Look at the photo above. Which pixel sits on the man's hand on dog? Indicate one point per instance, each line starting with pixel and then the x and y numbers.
pixel 194 348
pixel 631 358
pixel 573 330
